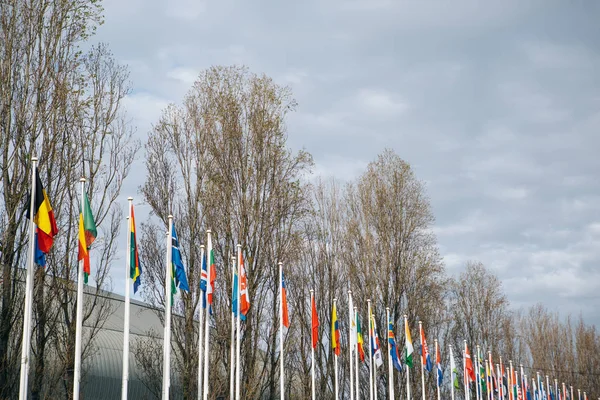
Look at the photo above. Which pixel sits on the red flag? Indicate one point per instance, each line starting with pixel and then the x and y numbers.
pixel 244 295
pixel 285 317
pixel 315 324
pixel 470 372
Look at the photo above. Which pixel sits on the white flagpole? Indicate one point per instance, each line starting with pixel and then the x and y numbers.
pixel 407 367
pixel 466 378
pixel 200 330
pixel 369 349
pixel 127 301
pixel 437 381
pixel 238 319
pixel 451 373
pixel 523 379
pixel 500 381
pixel 572 398
pixel 312 349
pixel 374 362
pixel 555 389
pixel 422 360
pixel 479 392
pixel 350 312
pixel 547 387
pixel 232 344
pixel 390 367
pixel 26 344
pixel 79 317
pixel 167 334
pixel 335 363
pixel 510 382
pixel 281 368
pixel 356 356
pixel 207 318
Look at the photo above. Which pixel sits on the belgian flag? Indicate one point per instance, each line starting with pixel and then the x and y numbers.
pixel 43 217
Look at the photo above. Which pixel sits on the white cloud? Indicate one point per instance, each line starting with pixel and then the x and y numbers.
pixel 380 102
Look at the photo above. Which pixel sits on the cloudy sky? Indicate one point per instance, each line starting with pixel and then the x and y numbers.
pixel 496 105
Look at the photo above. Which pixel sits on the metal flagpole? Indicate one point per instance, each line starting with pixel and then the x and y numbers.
pixel 167 334
pixel 26 343
pixel 374 362
pixel 451 373
pixel 466 378
pixel 232 344
pixel 238 319
pixel 312 350
pixel 407 368
pixel 548 387
pixel 390 370
pixel 510 380
pixel 572 398
pixel 356 356
pixel 281 368
pixel 79 317
pixel 200 330
pixel 479 392
pixel 209 289
pixel 437 380
pixel 352 335
pixel 422 360
pixel 500 380
pixel 127 301
pixel 370 352
pixel 335 362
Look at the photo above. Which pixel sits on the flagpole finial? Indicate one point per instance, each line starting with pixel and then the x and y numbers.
pixel 349 291
pixel 34 158
pixel 405 316
pixel 420 323
pixel 130 198
pixel 170 216
pixel 434 340
pixel 208 231
pixel 368 300
pixel 312 291
pixel 239 245
pixel 387 308
pixel 82 179
pixel 334 300
pixel 279 263
pixel 465 341
pixel 355 308
pixel 201 246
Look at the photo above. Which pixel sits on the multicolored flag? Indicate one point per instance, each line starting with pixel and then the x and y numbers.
pixel 453 370
pixel 178 276
pixel 375 348
pixel 335 332
pixel 286 319
pixel 87 235
pixel 438 362
pixel 204 285
pixel 425 356
pixel 315 323
pixel 408 346
pixel 212 273
pixel 469 370
pixel 43 217
pixel 481 372
pixel 393 347
pixel 135 269
pixel 359 339
pixel 244 293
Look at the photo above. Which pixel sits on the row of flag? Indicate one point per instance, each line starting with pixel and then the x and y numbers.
pixel 491 380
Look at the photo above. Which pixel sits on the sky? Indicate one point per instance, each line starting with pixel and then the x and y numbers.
pixel 496 106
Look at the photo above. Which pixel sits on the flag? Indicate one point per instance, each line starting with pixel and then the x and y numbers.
pixel 393 347
pixel 43 216
pixel 375 348
pixel 204 284
pixel 39 256
pixel 335 332
pixel 315 323
pixel 211 273
pixel 352 325
pixel 453 370
pixel 493 374
pixel 135 269
pixel 408 346
pixel 481 372
pixel 425 357
pixel 438 361
pixel 234 292
pixel 469 371
pixel 87 235
pixel 359 339
pixel 286 320
pixel 244 293
pixel 179 279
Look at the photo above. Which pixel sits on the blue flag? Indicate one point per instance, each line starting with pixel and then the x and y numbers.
pixel 178 268
pixel 40 256
pixel 393 347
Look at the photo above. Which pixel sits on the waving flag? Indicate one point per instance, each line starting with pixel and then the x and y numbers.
pixel 335 332
pixel 453 370
pixel 135 269
pixel 244 294
pixel 469 370
pixel 393 347
pixel 212 272
pixel 286 319
pixel 178 275
pixel 87 235
pixel 408 346
pixel 375 349
pixel 234 293
pixel 43 217
pixel 438 362
pixel 315 323
pixel 204 285
pixel 425 357
pixel 359 339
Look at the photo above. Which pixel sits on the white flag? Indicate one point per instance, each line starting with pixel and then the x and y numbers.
pixel 353 339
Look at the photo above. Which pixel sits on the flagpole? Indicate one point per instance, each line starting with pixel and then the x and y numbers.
pixel 422 361
pixel 555 388
pixel 451 373
pixel 207 320
pixel 167 335
pixel 312 350
pixel 374 362
pixel 79 317
pixel 465 377
pixel 200 329
pixel 548 386
pixel 350 311
pixel 127 301
pixel 437 380
pixel 500 380
pixel 390 371
pixel 572 393
pixel 232 344
pixel 478 392
pixel 510 380
pixel 370 352
pixel 335 362
pixel 407 367
pixel 281 368
pixel 26 343
pixel 238 318
pixel 356 356
pixel 523 379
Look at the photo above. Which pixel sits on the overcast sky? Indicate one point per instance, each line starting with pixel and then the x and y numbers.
pixel 496 105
